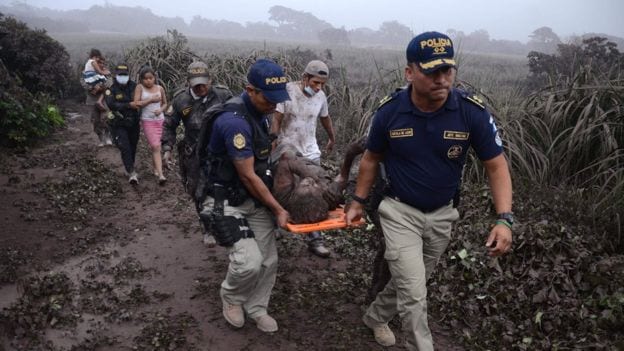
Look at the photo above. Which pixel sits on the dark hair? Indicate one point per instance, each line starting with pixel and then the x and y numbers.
pixel 145 70
pixel 304 203
pixel 95 53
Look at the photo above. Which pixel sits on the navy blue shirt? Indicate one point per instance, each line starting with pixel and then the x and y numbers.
pixel 424 153
pixel 232 134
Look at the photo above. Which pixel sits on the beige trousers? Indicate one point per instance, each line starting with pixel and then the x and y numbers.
pixel 253 262
pixel 414 243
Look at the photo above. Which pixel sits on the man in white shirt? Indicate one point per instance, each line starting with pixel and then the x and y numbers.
pixel 294 122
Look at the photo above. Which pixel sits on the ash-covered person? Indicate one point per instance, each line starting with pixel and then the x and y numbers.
pixel 188 107
pixel 423 134
pixel 303 188
pixel 95 81
pixel 151 98
pixel 240 209
pixel 295 123
pixel 380 270
pixel 124 121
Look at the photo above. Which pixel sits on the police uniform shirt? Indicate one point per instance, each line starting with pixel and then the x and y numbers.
pixel 232 134
pixel 425 152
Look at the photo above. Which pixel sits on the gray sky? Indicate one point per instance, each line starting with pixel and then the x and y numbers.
pixel 503 19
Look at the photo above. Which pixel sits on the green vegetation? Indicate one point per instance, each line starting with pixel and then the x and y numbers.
pixel 33 70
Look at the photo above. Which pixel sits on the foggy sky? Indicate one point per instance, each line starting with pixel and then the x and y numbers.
pixel 503 19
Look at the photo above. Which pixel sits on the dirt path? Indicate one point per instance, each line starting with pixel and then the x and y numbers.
pixel 88 262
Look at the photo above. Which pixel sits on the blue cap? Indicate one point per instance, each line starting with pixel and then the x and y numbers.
pixel 268 77
pixel 431 51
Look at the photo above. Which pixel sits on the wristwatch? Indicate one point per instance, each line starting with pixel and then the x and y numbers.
pixel 507 217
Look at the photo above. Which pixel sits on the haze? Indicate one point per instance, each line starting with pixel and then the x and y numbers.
pixel 513 20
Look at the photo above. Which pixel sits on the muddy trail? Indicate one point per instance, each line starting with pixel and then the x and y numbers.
pixel 90 262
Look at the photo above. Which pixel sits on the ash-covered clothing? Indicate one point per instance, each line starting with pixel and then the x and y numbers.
pixel 188 109
pixel 90 76
pixel 301 114
pixel 149 112
pixel 426 152
pixel 124 126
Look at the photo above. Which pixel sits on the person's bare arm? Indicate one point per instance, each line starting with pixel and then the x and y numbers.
pixel 500 182
pixel 276 125
pixel 353 150
pixel 326 122
pixel 366 177
pixel 257 189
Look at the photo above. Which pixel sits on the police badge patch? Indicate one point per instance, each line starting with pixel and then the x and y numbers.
pixel 239 141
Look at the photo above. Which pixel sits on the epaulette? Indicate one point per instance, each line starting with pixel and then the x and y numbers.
pixel 220 86
pixel 179 91
pixel 390 97
pixel 473 98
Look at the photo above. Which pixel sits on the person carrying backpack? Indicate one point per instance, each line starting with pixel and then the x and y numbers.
pixel 188 107
pixel 239 208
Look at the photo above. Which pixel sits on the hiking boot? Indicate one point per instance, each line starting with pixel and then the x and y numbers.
pixel 134 178
pixel 266 323
pixel 317 248
pixel 383 334
pixel 209 240
pixel 234 314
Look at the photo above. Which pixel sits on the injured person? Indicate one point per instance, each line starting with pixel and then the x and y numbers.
pixel 303 188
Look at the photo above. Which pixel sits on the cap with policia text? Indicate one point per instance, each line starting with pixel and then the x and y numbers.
pixel 268 77
pixel 122 69
pixel 431 51
pixel 198 73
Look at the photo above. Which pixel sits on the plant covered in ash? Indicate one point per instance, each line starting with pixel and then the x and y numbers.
pixel 34 69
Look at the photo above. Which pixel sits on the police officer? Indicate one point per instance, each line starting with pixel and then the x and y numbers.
pixel 240 208
pixel 188 106
pixel 423 134
pixel 123 118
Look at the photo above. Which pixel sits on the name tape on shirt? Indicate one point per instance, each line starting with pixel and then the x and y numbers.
pixel 401 133
pixel 453 135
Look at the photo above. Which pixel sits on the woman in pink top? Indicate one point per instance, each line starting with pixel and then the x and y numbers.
pixel 151 98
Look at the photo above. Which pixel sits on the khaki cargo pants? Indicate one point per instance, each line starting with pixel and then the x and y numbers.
pixel 414 243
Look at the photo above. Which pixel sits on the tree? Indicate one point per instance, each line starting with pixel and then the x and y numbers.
pixel 544 40
pixel 334 36
pixel 295 24
pixel 393 32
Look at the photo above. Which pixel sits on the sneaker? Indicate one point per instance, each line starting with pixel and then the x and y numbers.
pixel 266 323
pixel 234 314
pixel 317 248
pixel 209 240
pixel 134 178
pixel 383 334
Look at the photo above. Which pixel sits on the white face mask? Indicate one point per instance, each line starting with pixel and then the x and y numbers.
pixel 121 79
pixel 309 91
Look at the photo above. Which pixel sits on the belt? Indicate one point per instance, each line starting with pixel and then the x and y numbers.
pixel 421 209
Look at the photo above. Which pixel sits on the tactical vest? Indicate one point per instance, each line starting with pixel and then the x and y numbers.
pixel 218 168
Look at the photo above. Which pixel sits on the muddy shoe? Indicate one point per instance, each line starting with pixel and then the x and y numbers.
pixel 162 180
pixel 234 314
pixel 383 334
pixel 209 240
pixel 134 178
pixel 317 248
pixel 266 323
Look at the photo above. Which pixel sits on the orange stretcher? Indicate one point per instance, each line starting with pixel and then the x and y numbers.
pixel 336 220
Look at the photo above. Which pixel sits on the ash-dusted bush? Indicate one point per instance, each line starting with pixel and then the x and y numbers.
pixel 39 63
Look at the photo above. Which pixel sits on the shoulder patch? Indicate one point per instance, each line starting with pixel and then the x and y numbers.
pixel 108 92
pixel 473 98
pixel 239 141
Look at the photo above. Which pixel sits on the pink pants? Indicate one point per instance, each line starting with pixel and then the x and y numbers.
pixel 153 131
